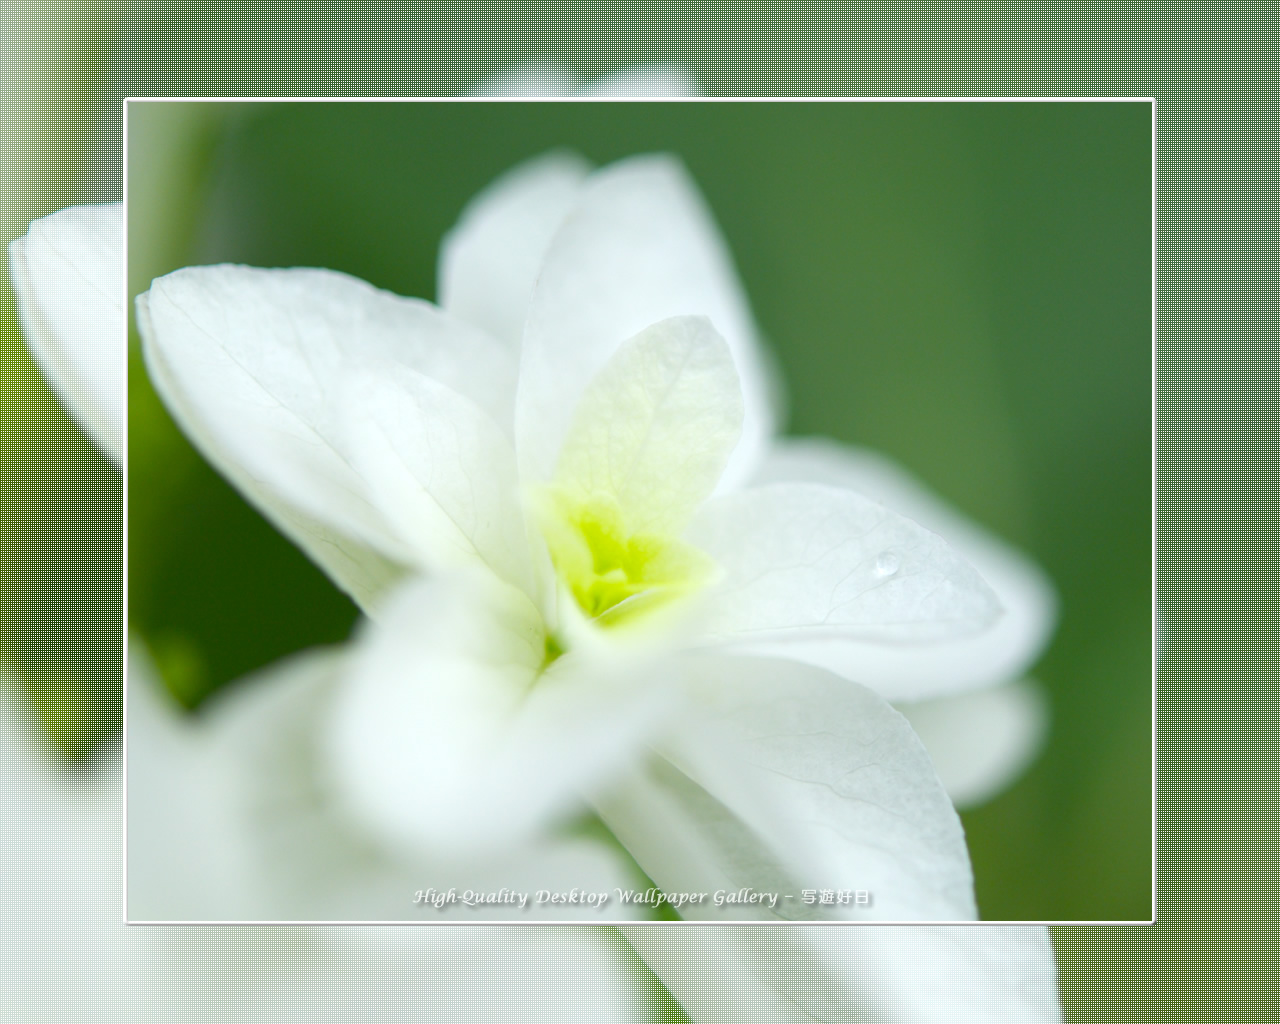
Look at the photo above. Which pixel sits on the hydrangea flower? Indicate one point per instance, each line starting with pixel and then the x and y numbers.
pixel 600 580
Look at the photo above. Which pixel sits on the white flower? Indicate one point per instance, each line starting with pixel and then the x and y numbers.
pixel 60 863
pixel 623 591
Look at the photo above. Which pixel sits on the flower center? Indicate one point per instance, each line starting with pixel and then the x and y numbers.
pixel 614 572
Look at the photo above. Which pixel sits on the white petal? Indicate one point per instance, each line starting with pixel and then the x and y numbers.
pixel 440 472
pixel 659 80
pixel 252 363
pixel 68 279
pixel 551 80
pixel 177 855
pixel 639 246
pixel 226 821
pixel 689 843
pixel 917 975
pixel 804 561
pixel 277 843
pixel 966 975
pixel 445 738
pixel 490 259
pixel 815 783
pixel 996 655
pixel 67 956
pixel 656 426
pixel 60 904
pixel 982 740
pixel 536 78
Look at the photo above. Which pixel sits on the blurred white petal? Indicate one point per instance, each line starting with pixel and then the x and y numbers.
pixel 922 975
pixel 536 78
pixel 68 956
pixel 490 260
pixel 552 80
pixel 253 363
pixel 639 246
pixel 68 278
pixel 998 654
pixel 59 868
pixel 812 783
pixel 248 823
pixel 652 80
pixel 178 851
pixel 982 740
pixel 805 561
pixel 444 737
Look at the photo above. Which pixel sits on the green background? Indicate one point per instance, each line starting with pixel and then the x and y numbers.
pixel 965 287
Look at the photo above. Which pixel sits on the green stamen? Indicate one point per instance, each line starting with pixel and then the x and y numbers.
pixel 612 571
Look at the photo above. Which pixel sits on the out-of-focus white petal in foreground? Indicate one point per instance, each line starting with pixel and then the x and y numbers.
pixel 441 739
pixel 716 974
pixel 68 956
pixel 67 274
pixel 249 823
pixel 922 975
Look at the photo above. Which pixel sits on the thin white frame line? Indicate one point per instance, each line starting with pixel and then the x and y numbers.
pixel 640 99
pixel 1155 649
pixel 1155 516
pixel 546 923
pixel 124 547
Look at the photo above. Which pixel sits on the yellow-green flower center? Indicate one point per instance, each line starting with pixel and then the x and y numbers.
pixel 612 571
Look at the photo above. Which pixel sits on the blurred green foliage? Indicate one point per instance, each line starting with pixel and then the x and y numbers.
pixel 61 533
pixel 965 287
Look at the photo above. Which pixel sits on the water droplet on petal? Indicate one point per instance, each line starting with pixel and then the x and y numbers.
pixel 887 564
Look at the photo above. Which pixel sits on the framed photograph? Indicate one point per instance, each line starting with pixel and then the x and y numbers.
pixel 611 511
